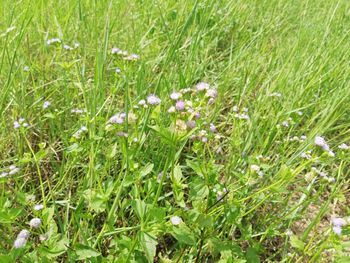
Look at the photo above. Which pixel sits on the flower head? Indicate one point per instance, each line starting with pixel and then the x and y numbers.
pixel 176 220
pixel 175 95
pixel 38 207
pixel 35 222
pixel 117 119
pixel 320 141
pixel 180 105
pixel 153 99
pixel 202 86
pixel 20 242
pixel 46 104
pixel 23 234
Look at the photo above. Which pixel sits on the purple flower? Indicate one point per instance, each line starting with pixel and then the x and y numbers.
pixel 197 115
pixel 202 86
pixel 212 93
pixel 180 105
pixel 153 99
pixel 175 95
pixel 191 124
pixel 46 104
pixel 35 222
pixel 16 125
pixel 212 128
pixel 117 119
pixel 20 242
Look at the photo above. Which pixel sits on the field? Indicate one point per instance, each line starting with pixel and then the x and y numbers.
pixel 175 131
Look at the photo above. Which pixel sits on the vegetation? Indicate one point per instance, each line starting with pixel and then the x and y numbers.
pixel 174 131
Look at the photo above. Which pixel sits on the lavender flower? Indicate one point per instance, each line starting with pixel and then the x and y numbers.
pixel 35 222
pixel 191 124
pixel 117 119
pixel 320 141
pixel 16 125
pixel 212 128
pixel 53 41
pixel 180 105
pixel 343 146
pixel 38 207
pixel 211 93
pixel 202 86
pixel 67 47
pixel 46 104
pixel 19 242
pixel 153 100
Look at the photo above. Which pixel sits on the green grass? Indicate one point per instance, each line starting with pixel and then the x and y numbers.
pixel 104 199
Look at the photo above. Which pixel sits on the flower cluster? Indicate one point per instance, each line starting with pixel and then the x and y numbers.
pixel 79 132
pixel 320 141
pixel 125 54
pixel 20 123
pixel 338 223
pixel 11 170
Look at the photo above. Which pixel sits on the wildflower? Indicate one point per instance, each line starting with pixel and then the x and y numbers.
pixel 76 44
pixel 132 57
pixel 212 128
pixel 306 155
pixel 255 168
pixel 175 95
pixel 343 146
pixel 25 124
pixel 78 133
pixel 3 174
pixel 66 47
pixel 180 125
pixel 202 86
pixel 191 124
pixel 171 109
pixel 176 220
pixel 303 137
pixel 19 242
pixel 300 113
pixel 118 70
pixel 53 41
pixel 26 68
pixel 320 141
pixel 122 134
pixel 180 105
pixel 35 222
pixel 13 170
pixel 153 99
pixel 212 93
pixel 38 207
pixel 116 50
pixel 43 237
pixel 117 119
pixel 289 232
pixel 204 139
pixel 16 125
pixel 23 234
pixel 337 230
pixel 285 124
pixel 235 109
pixel 46 104
pixel 197 115
pixel 211 101
pixel 219 195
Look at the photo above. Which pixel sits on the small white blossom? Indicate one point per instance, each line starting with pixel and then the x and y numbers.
pixel 46 104
pixel 202 86
pixel 153 100
pixel 175 95
pixel 171 109
pixel 176 220
pixel 67 47
pixel 343 146
pixel 35 222
pixel 53 41
pixel 19 242
pixel 255 167
pixel 38 207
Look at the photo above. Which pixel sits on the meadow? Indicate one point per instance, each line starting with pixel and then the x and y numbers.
pixel 175 131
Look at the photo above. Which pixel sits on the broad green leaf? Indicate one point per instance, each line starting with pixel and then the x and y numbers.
pixel 149 244
pixel 85 252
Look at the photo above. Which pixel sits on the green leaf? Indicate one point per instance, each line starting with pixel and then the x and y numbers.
pixel 146 170
pixel 139 207
pixel 252 255
pixel 184 235
pixel 85 252
pixel 297 243
pixel 149 244
pixel 177 174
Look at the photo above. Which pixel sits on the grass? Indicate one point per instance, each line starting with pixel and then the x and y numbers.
pixel 151 189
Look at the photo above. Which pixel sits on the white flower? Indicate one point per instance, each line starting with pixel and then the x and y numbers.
pixel 202 86
pixel 176 220
pixel 255 167
pixel 320 141
pixel 14 171
pixel 300 113
pixel 66 47
pixel 19 242
pixel 26 68
pixel 43 237
pixel 343 146
pixel 53 40
pixel 76 44
pixel 117 119
pixel 35 222
pixel 171 109
pixel 116 50
pixel 118 70
pixel 337 230
pixel 153 100
pixel 235 109
pixel 23 234
pixel 212 93
pixel 338 221
pixel 175 95
pixel 46 104
pixel 38 207
pixel 3 174
pixel 275 94
pixel 132 57
pixel 16 125
pixel 285 124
